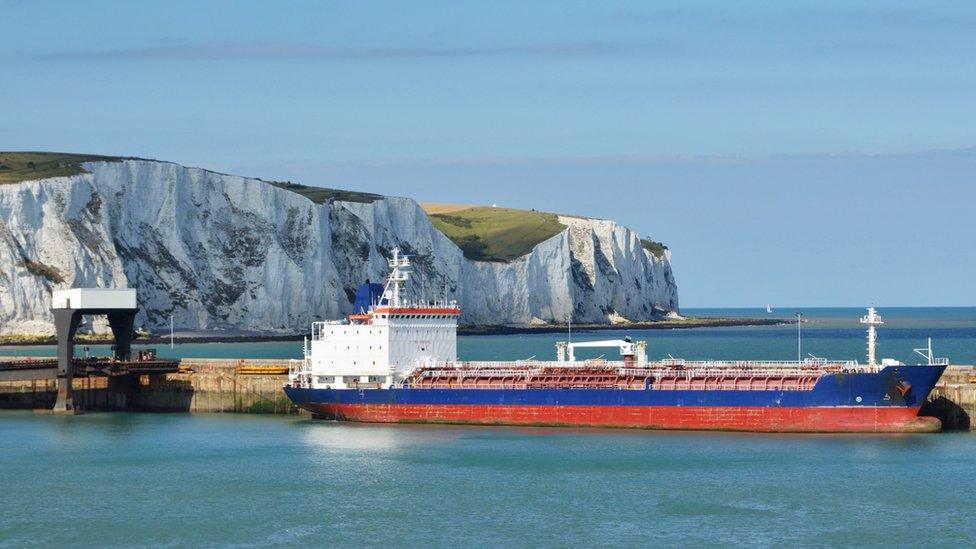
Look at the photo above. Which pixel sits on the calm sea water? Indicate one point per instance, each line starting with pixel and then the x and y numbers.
pixel 111 480
pixel 828 333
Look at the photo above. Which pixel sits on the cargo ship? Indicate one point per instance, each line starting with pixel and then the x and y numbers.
pixel 394 360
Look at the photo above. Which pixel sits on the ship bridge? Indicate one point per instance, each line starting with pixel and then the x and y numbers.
pixel 385 338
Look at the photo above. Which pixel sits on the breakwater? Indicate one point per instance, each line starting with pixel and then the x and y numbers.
pixel 953 400
pixel 205 385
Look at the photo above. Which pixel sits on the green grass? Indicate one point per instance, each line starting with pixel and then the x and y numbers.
pixel 26 166
pixel 497 234
pixel 655 248
pixel 321 195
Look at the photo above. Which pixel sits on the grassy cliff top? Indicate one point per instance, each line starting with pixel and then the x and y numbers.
pixel 655 248
pixel 16 167
pixel 26 166
pixel 321 195
pixel 494 234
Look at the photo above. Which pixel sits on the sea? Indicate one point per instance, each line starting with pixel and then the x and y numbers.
pixel 215 480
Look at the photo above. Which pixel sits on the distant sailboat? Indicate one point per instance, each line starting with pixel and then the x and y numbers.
pixel 768 308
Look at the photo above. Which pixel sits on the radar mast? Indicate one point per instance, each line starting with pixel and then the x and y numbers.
pixel 873 320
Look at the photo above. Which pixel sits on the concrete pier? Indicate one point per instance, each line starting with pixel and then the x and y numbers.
pixel 202 385
pixel 215 385
pixel 953 400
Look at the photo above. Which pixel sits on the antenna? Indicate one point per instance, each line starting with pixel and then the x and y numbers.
pixel 799 347
pixel 873 320
pixel 569 327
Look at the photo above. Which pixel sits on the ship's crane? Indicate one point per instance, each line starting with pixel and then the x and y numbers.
pixel 628 349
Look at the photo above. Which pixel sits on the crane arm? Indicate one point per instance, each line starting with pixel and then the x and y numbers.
pixel 604 343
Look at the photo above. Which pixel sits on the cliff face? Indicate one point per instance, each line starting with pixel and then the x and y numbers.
pixel 221 252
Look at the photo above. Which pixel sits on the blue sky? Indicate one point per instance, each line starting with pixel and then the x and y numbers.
pixel 816 153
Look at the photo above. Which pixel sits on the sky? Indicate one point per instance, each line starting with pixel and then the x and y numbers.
pixel 796 154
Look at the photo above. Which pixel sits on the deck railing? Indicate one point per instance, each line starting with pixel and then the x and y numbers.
pixel 668 368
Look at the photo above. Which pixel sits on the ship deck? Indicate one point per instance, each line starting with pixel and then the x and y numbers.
pixel 664 375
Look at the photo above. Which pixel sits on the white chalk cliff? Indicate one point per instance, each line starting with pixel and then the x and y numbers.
pixel 222 252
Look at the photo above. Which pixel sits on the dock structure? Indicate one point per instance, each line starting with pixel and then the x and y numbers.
pixel 68 308
pixel 146 384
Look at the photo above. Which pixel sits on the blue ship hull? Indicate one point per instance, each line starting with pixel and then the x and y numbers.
pixel 887 401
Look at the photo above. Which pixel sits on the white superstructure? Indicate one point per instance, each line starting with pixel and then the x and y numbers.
pixel 377 348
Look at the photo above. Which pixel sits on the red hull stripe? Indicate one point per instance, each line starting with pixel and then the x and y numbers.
pixel 759 419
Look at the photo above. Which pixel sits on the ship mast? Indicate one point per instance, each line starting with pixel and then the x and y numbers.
pixel 399 273
pixel 872 319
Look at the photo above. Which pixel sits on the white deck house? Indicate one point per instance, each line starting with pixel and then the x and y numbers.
pixel 381 346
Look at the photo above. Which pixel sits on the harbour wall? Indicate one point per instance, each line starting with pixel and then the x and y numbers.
pixel 207 385
pixel 202 385
pixel 953 400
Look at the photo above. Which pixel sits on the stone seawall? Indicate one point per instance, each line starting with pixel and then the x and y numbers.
pixel 214 385
pixel 953 400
